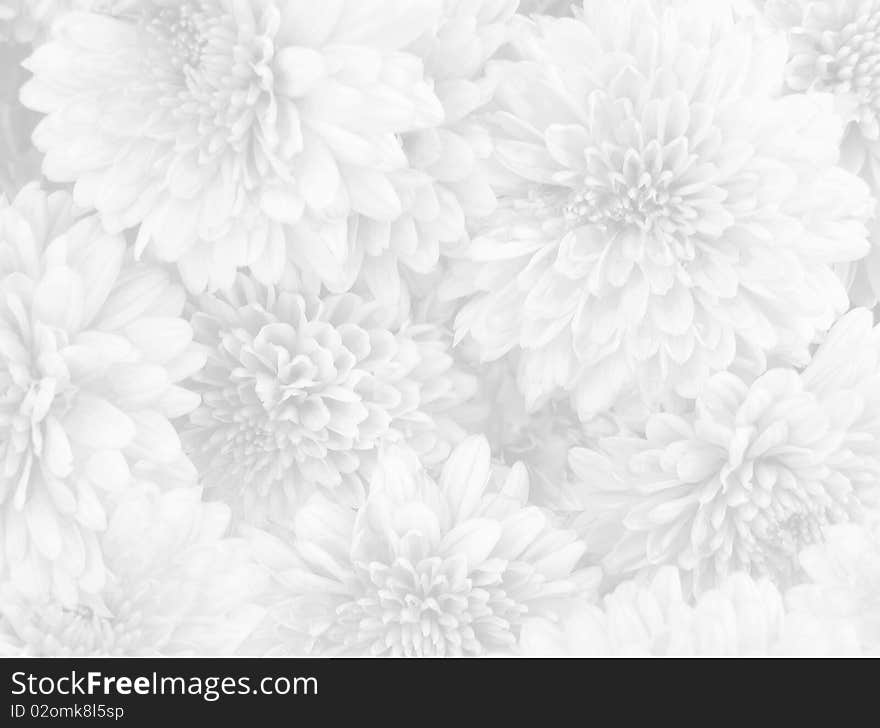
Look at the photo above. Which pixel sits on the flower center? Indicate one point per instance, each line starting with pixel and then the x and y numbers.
pixel 182 32
pixel 848 60
pixel 644 203
pixel 424 607
pixel 213 73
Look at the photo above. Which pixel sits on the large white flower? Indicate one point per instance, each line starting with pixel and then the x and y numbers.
pixel 177 586
pixel 91 348
pixel 652 617
pixel 834 49
pixel 238 133
pixel 664 212
pixel 300 392
pixel 425 568
pixel 755 471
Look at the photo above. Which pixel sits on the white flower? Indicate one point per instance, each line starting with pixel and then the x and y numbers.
pixel 751 474
pixel 834 49
pixel 652 617
pixel 238 134
pixel 448 181
pixel 664 213
pixel 425 568
pixel 177 586
pixel 91 348
pixel 300 392
pixel 842 594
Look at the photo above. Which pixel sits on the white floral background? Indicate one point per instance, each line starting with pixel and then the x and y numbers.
pixel 439 327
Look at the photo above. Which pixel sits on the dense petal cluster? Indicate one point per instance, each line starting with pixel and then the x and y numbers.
pixel 425 567
pixel 754 472
pixel 336 141
pixel 92 347
pixel 237 133
pixel 177 586
pixel 439 327
pixel 301 392
pixel 664 212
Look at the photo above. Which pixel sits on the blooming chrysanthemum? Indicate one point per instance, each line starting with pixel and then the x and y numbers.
pixel 177 586
pixel 300 392
pixel 842 594
pixel 753 473
pixel 664 211
pixel 835 48
pixel 652 617
pixel 425 568
pixel 91 348
pixel 238 133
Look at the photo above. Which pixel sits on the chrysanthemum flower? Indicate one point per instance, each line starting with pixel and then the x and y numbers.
pixel 753 473
pixel 425 568
pixel 300 392
pixel 834 49
pixel 842 594
pixel 664 211
pixel 91 348
pixel 238 133
pixel 652 617
pixel 177 586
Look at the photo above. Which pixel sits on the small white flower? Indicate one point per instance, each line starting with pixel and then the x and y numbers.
pixel 177 586
pixel 91 349
pixel 754 472
pixel 450 567
pixel 664 211
pixel 300 392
